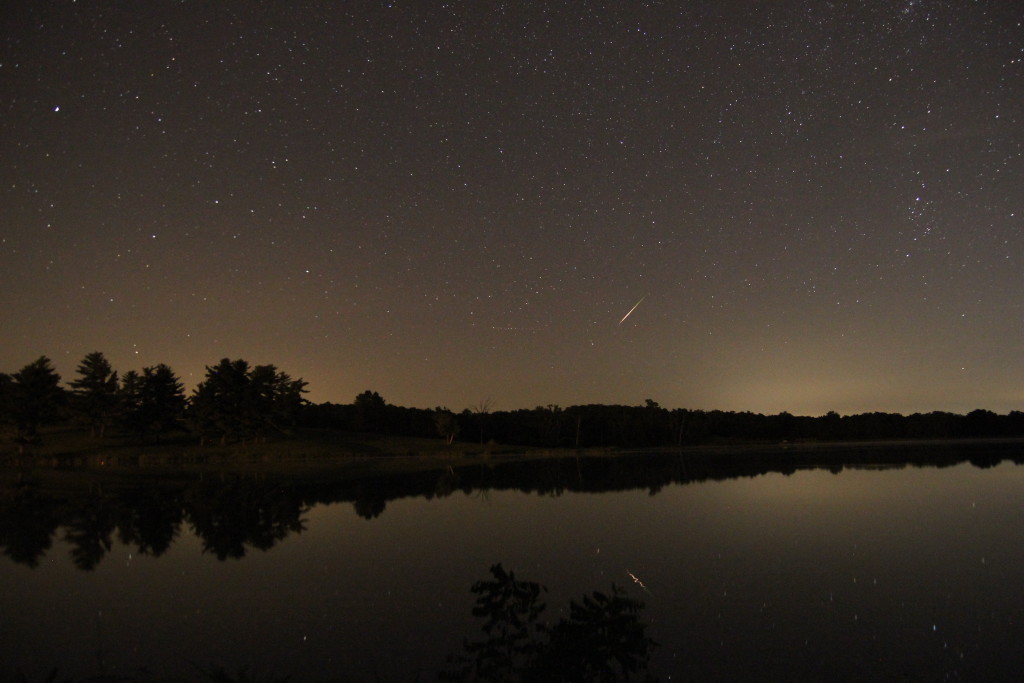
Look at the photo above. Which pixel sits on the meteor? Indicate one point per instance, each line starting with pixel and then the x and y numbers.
pixel 640 583
pixel 632 309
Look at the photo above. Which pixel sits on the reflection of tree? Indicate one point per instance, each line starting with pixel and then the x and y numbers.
pixel 603 638
pixel 986 460
pixel 370 504
pixel 27 525
pixel 88 533
pixel 230 516
pixel 447 483
pixel 512 633
pixel 233 513
pixel 150 520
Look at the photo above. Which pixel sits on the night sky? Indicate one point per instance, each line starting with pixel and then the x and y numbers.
pixel 818 205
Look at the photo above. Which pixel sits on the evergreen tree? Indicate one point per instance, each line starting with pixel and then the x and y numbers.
pixel 164 397
pixel 235 403
pixel 94 394
pixel 129 397
pixel 276 399
pixel 7 404
pixel 217 404
pixel 151 403
pixel 6 399
pixel 34 397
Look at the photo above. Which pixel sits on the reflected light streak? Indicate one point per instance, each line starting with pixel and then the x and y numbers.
pixel 638 582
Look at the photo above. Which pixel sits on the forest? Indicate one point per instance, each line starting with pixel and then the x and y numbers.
pixel 234 402
pixel 237 402
pixel 650 425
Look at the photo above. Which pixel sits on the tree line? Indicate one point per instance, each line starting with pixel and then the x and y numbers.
pixel 238 402
pixel 234 402
pixel 648 425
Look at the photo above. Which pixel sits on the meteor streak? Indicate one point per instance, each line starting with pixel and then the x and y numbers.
pixel 632 309
pixel 637 581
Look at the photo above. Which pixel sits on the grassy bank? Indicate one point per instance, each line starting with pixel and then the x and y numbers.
pixel 304 452
pixel 308 452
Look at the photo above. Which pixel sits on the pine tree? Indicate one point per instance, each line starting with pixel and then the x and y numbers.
pixel 164 398
pixel 129 407
pixel 34 398
pixel 151 403
pixel 217 405
pixel 236 403
pixel 94 394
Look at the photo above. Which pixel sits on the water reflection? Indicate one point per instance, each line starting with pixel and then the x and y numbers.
pixel 28 522
pixel 234 514
pixel 602 639
pixel 899 567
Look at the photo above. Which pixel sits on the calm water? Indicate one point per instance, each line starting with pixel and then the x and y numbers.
pixel 856 573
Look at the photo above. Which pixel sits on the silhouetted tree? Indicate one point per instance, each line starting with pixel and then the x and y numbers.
pixel 513 632
pixel 235 402
pixel 94 393
pixel 603 638
pixel 370 504
pixel 830 426
pixel 981 423
pixel 217 406
pixel 33 398
pixel 27 524
pixel 151 403
pixel 650 425
pixel 370 412
pixel 164 396
pixel 276 399
pixel 549 421
pixel 233 516
pixel 150 519
pixel 129 398
pixel 447 424
pixel 6 400
pixel 481 410
pixel 89 532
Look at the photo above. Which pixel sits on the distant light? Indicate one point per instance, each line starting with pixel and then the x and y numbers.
pixel 56 108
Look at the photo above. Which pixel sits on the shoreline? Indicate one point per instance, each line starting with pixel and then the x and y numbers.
pixel 369 455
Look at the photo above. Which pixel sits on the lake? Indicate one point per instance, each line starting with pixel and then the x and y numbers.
pixel 845 564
